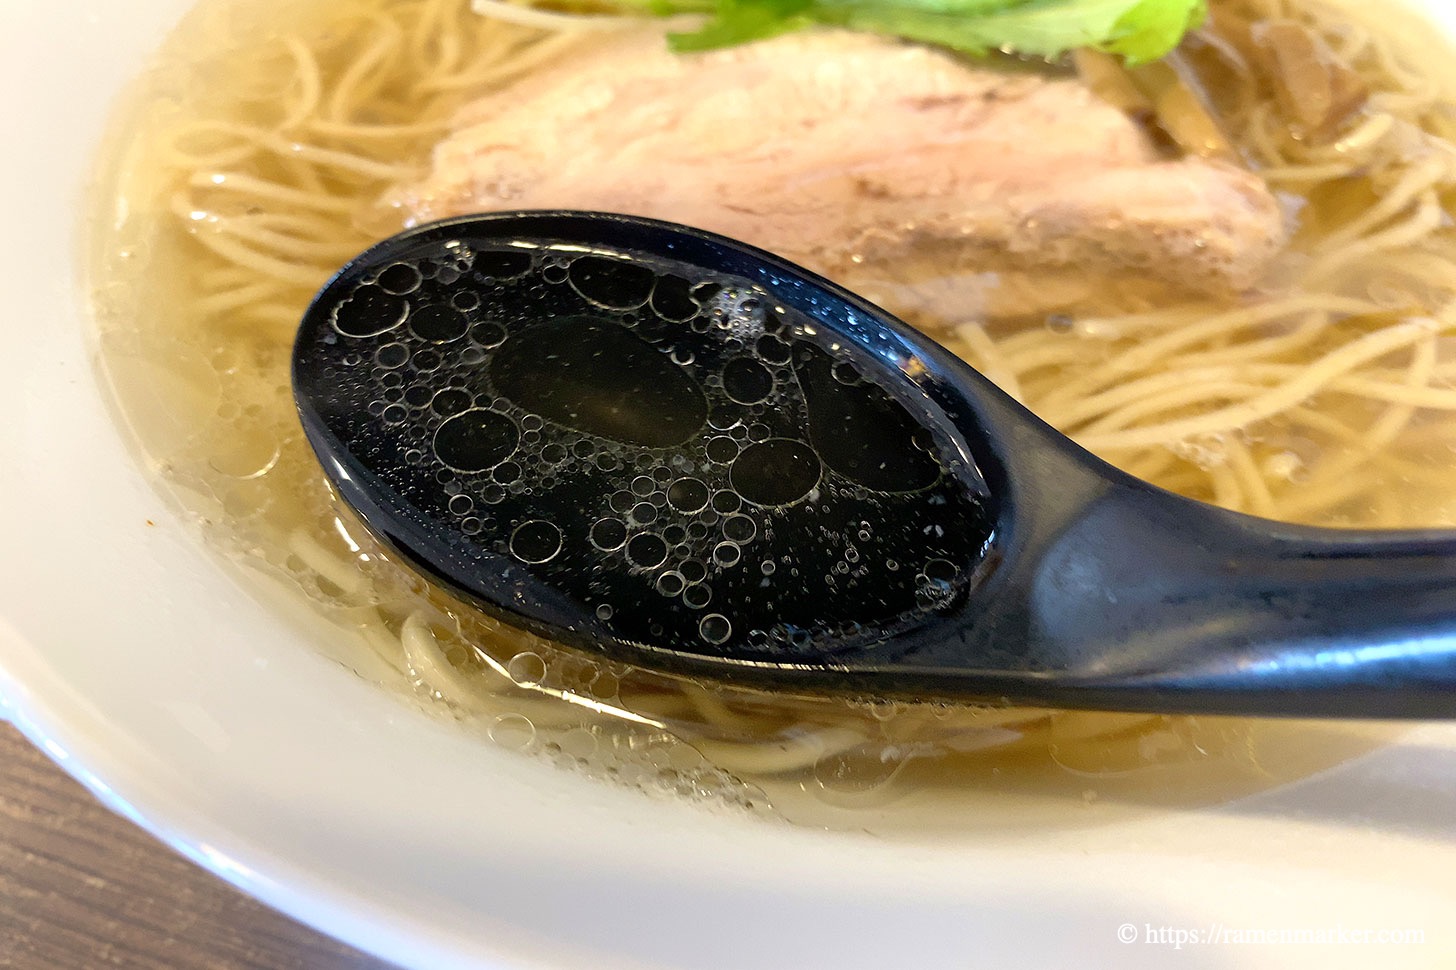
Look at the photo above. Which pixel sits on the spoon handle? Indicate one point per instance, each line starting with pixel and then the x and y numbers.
pixel 1109 592
pixel 1324 621
pixel 1156 602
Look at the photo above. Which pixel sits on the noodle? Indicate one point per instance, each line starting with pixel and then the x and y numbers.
pixel 1313 399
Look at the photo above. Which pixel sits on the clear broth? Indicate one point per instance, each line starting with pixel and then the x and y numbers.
pixel 195 345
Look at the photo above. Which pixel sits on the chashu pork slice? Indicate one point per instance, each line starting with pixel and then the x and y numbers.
pixel 842 151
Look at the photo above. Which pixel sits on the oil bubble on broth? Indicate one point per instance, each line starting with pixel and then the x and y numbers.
pixel 728 506
pixel 248 166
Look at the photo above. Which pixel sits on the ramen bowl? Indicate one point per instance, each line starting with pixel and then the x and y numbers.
pixel 217 718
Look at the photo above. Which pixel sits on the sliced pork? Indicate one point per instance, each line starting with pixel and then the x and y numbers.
pixel 844 151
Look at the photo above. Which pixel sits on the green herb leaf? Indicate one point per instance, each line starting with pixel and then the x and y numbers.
pixel 1138 30
pixel 741 21
pixel 1153 28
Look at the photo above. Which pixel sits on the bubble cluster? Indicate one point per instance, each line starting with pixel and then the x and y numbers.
pixel 643 451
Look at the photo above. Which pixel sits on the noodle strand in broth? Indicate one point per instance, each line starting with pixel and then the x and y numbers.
pixel 254 168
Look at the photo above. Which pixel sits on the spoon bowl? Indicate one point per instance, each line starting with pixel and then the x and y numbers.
pixel 686 453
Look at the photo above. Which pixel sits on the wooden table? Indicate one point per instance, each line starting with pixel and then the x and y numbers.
pixel 83 889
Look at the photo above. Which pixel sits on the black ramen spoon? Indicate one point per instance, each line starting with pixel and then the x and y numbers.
pixel 678 451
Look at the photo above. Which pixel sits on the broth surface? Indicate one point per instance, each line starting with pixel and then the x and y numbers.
pixel 259 152
pixel 629 448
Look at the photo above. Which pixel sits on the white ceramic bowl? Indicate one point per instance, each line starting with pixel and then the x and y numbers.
pixel 147 672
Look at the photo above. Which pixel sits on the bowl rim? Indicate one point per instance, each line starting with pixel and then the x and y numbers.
pixel 348 825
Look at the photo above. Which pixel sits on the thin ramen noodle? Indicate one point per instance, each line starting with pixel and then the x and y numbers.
pixel 252 162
